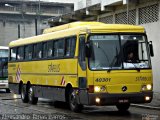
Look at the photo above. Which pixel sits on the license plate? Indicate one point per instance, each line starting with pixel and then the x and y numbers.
pixel 123 101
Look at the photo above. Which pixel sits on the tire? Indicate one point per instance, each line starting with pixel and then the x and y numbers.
pixel 31 96
pixel 74 106
pixel 24 94
pixel 8 90
pixel 123 107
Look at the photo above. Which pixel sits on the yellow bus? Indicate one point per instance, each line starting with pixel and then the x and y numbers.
pixel 83 63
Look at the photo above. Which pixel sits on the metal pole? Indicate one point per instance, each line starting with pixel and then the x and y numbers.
pixel 39 12
pixel 24 29
pixel 19 32
pixel 36 27
pixel 127 11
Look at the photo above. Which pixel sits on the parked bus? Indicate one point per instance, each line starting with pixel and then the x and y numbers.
pixel 4 68
pixel 84 63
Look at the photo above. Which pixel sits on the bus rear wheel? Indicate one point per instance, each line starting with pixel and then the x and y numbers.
pixel 32 99
pixel 74 106
pixel 123 107
pixel 24 94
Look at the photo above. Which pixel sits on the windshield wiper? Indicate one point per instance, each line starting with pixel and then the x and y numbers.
pixel 104 53
pixel 111 65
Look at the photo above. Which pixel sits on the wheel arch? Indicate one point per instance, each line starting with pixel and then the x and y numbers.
pixel 20 86
pixel 67 89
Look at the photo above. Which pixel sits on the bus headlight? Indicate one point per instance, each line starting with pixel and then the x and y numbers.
pixel 149 87
pixel 146 87
pixel 97 89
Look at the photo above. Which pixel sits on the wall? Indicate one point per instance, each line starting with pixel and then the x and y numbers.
pixel 146 13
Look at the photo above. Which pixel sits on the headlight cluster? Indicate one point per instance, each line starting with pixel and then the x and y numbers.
pixel 99 88
pixel 146 87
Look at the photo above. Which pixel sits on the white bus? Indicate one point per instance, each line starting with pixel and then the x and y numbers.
pixel 4 68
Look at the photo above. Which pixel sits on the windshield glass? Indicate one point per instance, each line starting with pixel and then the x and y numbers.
pixel 105 51
pixel 118 52
pixel 135 51
pixel 4 53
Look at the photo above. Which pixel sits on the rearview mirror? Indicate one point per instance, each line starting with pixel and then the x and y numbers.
pixel 87 50
pixel 151 48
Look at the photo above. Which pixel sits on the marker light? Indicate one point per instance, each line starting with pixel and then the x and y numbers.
pixel 15 96
pixel 149 87
pixel 98 100
pixel 147 98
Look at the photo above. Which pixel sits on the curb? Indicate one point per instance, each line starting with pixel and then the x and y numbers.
pixel 145 106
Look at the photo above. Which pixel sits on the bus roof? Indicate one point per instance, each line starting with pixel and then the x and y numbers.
pixel 71 25
pixel 89 25
pixel 3 47
pixel 75 28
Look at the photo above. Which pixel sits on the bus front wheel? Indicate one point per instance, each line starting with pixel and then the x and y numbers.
pixel 32 99
pixel 123 107
pixel 74 106
pixel 24 94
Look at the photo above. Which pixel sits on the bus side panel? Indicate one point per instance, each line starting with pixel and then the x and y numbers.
pixel 48 77
pixel 54 93
pixel 14 87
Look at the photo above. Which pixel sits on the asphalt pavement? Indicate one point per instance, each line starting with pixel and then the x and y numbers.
pixel 155 103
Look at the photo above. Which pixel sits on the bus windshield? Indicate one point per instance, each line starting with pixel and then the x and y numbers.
pixel 118 52
pixel 3 63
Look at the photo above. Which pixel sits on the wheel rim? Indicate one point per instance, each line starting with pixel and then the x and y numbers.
pixel 30 93
pixel 73 100
pixel 22 93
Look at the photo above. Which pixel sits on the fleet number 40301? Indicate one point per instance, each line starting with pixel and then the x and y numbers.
pixel 103 79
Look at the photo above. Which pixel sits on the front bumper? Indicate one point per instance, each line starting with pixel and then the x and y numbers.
pixel 113 99
pixel 4 85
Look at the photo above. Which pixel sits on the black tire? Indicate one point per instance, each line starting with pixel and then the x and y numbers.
pixel 31 96
pixel 24 94
pixel 74 106
pixel 123 107
pixel 8 90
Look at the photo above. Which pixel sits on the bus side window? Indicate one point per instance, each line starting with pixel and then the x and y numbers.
pixel 50 49
pixel 44 50
pixel 39 50
pixel 55 47
pixel 70 46
pixel 59 48
pixel 13 54
pixel 28 52
pixel 20 53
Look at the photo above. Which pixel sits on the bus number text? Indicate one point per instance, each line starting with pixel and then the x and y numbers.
pixel 103 79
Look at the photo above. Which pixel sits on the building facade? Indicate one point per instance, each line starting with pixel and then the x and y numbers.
pixel 136 12
pixel 25 18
